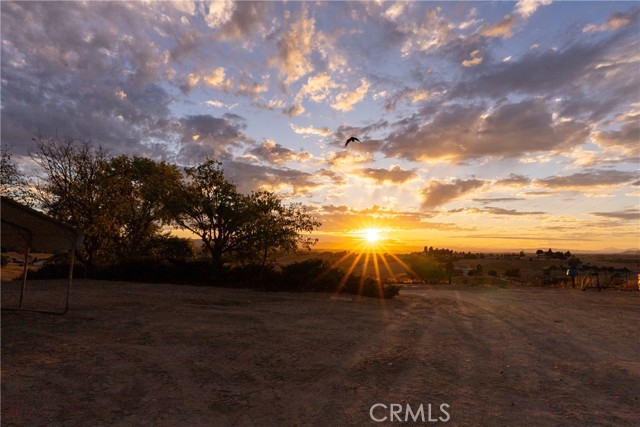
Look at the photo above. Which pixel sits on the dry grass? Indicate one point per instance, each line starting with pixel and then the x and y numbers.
pixel 165 355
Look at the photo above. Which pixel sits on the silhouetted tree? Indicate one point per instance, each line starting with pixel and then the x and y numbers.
pixel 74 190
pixel 146 188
pixel 228 222
pixel 13 183
pixel 212 208
pixel 275 227
pixel 450 269
pixel 426 268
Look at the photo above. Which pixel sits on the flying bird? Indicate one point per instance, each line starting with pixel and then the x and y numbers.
pixel 353 138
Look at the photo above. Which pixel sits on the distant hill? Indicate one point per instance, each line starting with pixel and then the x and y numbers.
pixel 631 252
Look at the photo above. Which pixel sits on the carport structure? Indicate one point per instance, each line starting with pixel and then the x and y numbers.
pixel 25 228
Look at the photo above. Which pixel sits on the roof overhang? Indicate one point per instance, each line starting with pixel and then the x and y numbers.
pixel 23 226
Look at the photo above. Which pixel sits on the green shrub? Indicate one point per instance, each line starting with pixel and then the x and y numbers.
pixel 312 275
pixel 316 276
pixel 426 268
pixel 512 272
pixel 56 270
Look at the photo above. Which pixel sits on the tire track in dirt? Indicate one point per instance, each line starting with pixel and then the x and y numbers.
pixel 528 362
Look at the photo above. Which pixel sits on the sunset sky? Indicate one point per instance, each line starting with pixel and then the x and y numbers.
pixel 484 125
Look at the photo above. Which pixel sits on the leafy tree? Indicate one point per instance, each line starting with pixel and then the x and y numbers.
pixel 145 188
pixel 275 227
pixel 426 268
pixel 512 272
pixel 13 183
pixel 255 226
pixel 212 208
pixel 74 190
pixel 450 269
pixel 166 246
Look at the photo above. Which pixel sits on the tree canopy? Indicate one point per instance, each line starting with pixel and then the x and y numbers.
pixel 123 205
pixel 13 183
pixel 252 226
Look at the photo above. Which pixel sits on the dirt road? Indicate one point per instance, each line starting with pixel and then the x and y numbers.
pixel 162 355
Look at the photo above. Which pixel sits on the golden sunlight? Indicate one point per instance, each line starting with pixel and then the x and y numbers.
pixel 371 235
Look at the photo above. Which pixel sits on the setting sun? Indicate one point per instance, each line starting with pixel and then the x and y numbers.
pixel 371 235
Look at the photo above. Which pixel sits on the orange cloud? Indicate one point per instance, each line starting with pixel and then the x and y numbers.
pixel 346 101
pixel 502 29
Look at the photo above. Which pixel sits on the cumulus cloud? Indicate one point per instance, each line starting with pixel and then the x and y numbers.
pixel 407 94
pixel 459 133
pixel 346 100
pixel 542 72
pixel 510 212
pixel 275 153
pixel 590 179
pixel 502 29
pixel 396 10
pixel 285 181
pixel 246 21
pixel 217 13
pixel 395 174
pixel 631 214
pixel 334 218
pixel 487 200
pixel 332 176
pixel 218 104
pixel 61 79
pixel 347 158
pixel 514 180
pixel 497 211
pixel 438 193
pixel 203 136
pixel 614 22
pixel 475 59
pixel 317 88
pixel 248 87
pixel 310 130
pixel 295 109
pixel 624 138
pixel 526 8
pixel 294 48
pixel 429 33
pixel 142 78
pixel 216 79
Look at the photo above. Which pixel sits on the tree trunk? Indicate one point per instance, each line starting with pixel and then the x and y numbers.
pixel 264 261
pixel 216 258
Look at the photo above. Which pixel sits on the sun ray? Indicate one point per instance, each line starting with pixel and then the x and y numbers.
pixel 342 259
pixel 348 272
pixel 363 276
pixel 387 267
pixel 403 264
pixel 369 248
pixel 376 267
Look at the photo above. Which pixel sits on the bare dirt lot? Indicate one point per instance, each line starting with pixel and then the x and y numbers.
pixel 165 355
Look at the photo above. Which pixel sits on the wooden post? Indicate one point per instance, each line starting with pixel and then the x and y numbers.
pixel 24 274
pixel 71 261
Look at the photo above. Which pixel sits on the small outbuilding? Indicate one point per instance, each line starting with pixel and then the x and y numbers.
pixel 24 228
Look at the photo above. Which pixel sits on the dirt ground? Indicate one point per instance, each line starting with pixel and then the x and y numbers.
pixel 165 355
